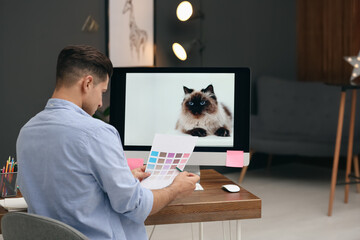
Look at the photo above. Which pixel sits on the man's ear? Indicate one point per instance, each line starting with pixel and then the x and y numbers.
pixel 87 83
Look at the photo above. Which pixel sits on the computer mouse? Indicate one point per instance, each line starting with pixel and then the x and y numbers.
pixel 231 188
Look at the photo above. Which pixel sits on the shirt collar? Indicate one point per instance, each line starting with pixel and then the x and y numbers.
pixel 57 103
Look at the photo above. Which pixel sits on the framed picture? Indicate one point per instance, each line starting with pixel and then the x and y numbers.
pixel 131 32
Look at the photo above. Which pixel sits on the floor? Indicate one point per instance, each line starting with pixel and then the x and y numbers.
pixel 294 207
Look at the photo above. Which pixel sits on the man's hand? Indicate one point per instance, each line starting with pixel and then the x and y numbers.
pixel 140 173
pixel 185 183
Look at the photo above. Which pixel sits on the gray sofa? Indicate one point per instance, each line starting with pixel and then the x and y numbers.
pixel 299 118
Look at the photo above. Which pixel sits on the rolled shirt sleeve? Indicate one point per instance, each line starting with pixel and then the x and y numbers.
pixel 108 164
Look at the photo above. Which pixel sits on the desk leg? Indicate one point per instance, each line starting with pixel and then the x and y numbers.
pixel 337 151
pixel 238 230
pixel 194 225
pixel 152 232
pixel 350 144
pixel 223 228
pixel 201 231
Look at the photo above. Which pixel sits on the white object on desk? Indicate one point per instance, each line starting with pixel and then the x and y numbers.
pixel 198 187
pixel 231 188
pixel 14 204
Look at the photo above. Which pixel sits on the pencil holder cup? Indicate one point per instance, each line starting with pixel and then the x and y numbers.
pixel 8 184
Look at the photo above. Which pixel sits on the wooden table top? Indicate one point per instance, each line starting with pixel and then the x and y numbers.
pixel 211 204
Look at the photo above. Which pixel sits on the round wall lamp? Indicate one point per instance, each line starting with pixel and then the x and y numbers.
pixel 184 11
pixel 179 51
pixel 182 50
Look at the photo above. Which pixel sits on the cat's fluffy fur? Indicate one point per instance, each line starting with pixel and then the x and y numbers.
pixel 202 115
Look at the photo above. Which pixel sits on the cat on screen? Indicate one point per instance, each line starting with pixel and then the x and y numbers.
pixel 201 114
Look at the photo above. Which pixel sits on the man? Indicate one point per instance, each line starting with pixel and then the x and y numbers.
pixel 72 166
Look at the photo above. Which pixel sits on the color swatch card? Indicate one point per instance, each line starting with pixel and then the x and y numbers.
pixel 168 152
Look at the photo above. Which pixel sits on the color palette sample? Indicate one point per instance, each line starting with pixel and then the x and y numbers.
pixel 163 164
pixel 168 152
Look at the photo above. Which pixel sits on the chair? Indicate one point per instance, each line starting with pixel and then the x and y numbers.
pixel 26 226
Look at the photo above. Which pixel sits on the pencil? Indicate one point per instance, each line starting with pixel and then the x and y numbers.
pixel 179 169
pixel 7 165
pixel 11 170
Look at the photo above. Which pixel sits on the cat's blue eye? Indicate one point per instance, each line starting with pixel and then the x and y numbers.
pixel 202 103
pixel 191 103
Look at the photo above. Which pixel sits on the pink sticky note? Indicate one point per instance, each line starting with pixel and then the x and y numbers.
pixel 135 162
pixel 234 159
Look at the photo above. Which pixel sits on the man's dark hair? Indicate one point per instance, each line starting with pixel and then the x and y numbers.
pixel 78 60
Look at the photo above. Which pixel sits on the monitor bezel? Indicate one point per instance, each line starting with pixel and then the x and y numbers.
pixel 242 80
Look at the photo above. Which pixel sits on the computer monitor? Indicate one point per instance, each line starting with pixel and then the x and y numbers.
pixel 212 103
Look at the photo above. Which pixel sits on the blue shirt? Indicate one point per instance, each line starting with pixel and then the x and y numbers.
pixel 72 168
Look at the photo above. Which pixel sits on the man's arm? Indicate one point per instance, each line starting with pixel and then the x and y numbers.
pixel 183 185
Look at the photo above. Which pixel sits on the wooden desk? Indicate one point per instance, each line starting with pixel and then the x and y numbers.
pixel 211 204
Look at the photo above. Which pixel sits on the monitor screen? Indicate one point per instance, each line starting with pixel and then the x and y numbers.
pixel 212 103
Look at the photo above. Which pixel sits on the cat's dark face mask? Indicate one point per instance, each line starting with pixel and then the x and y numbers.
pixel 197 105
